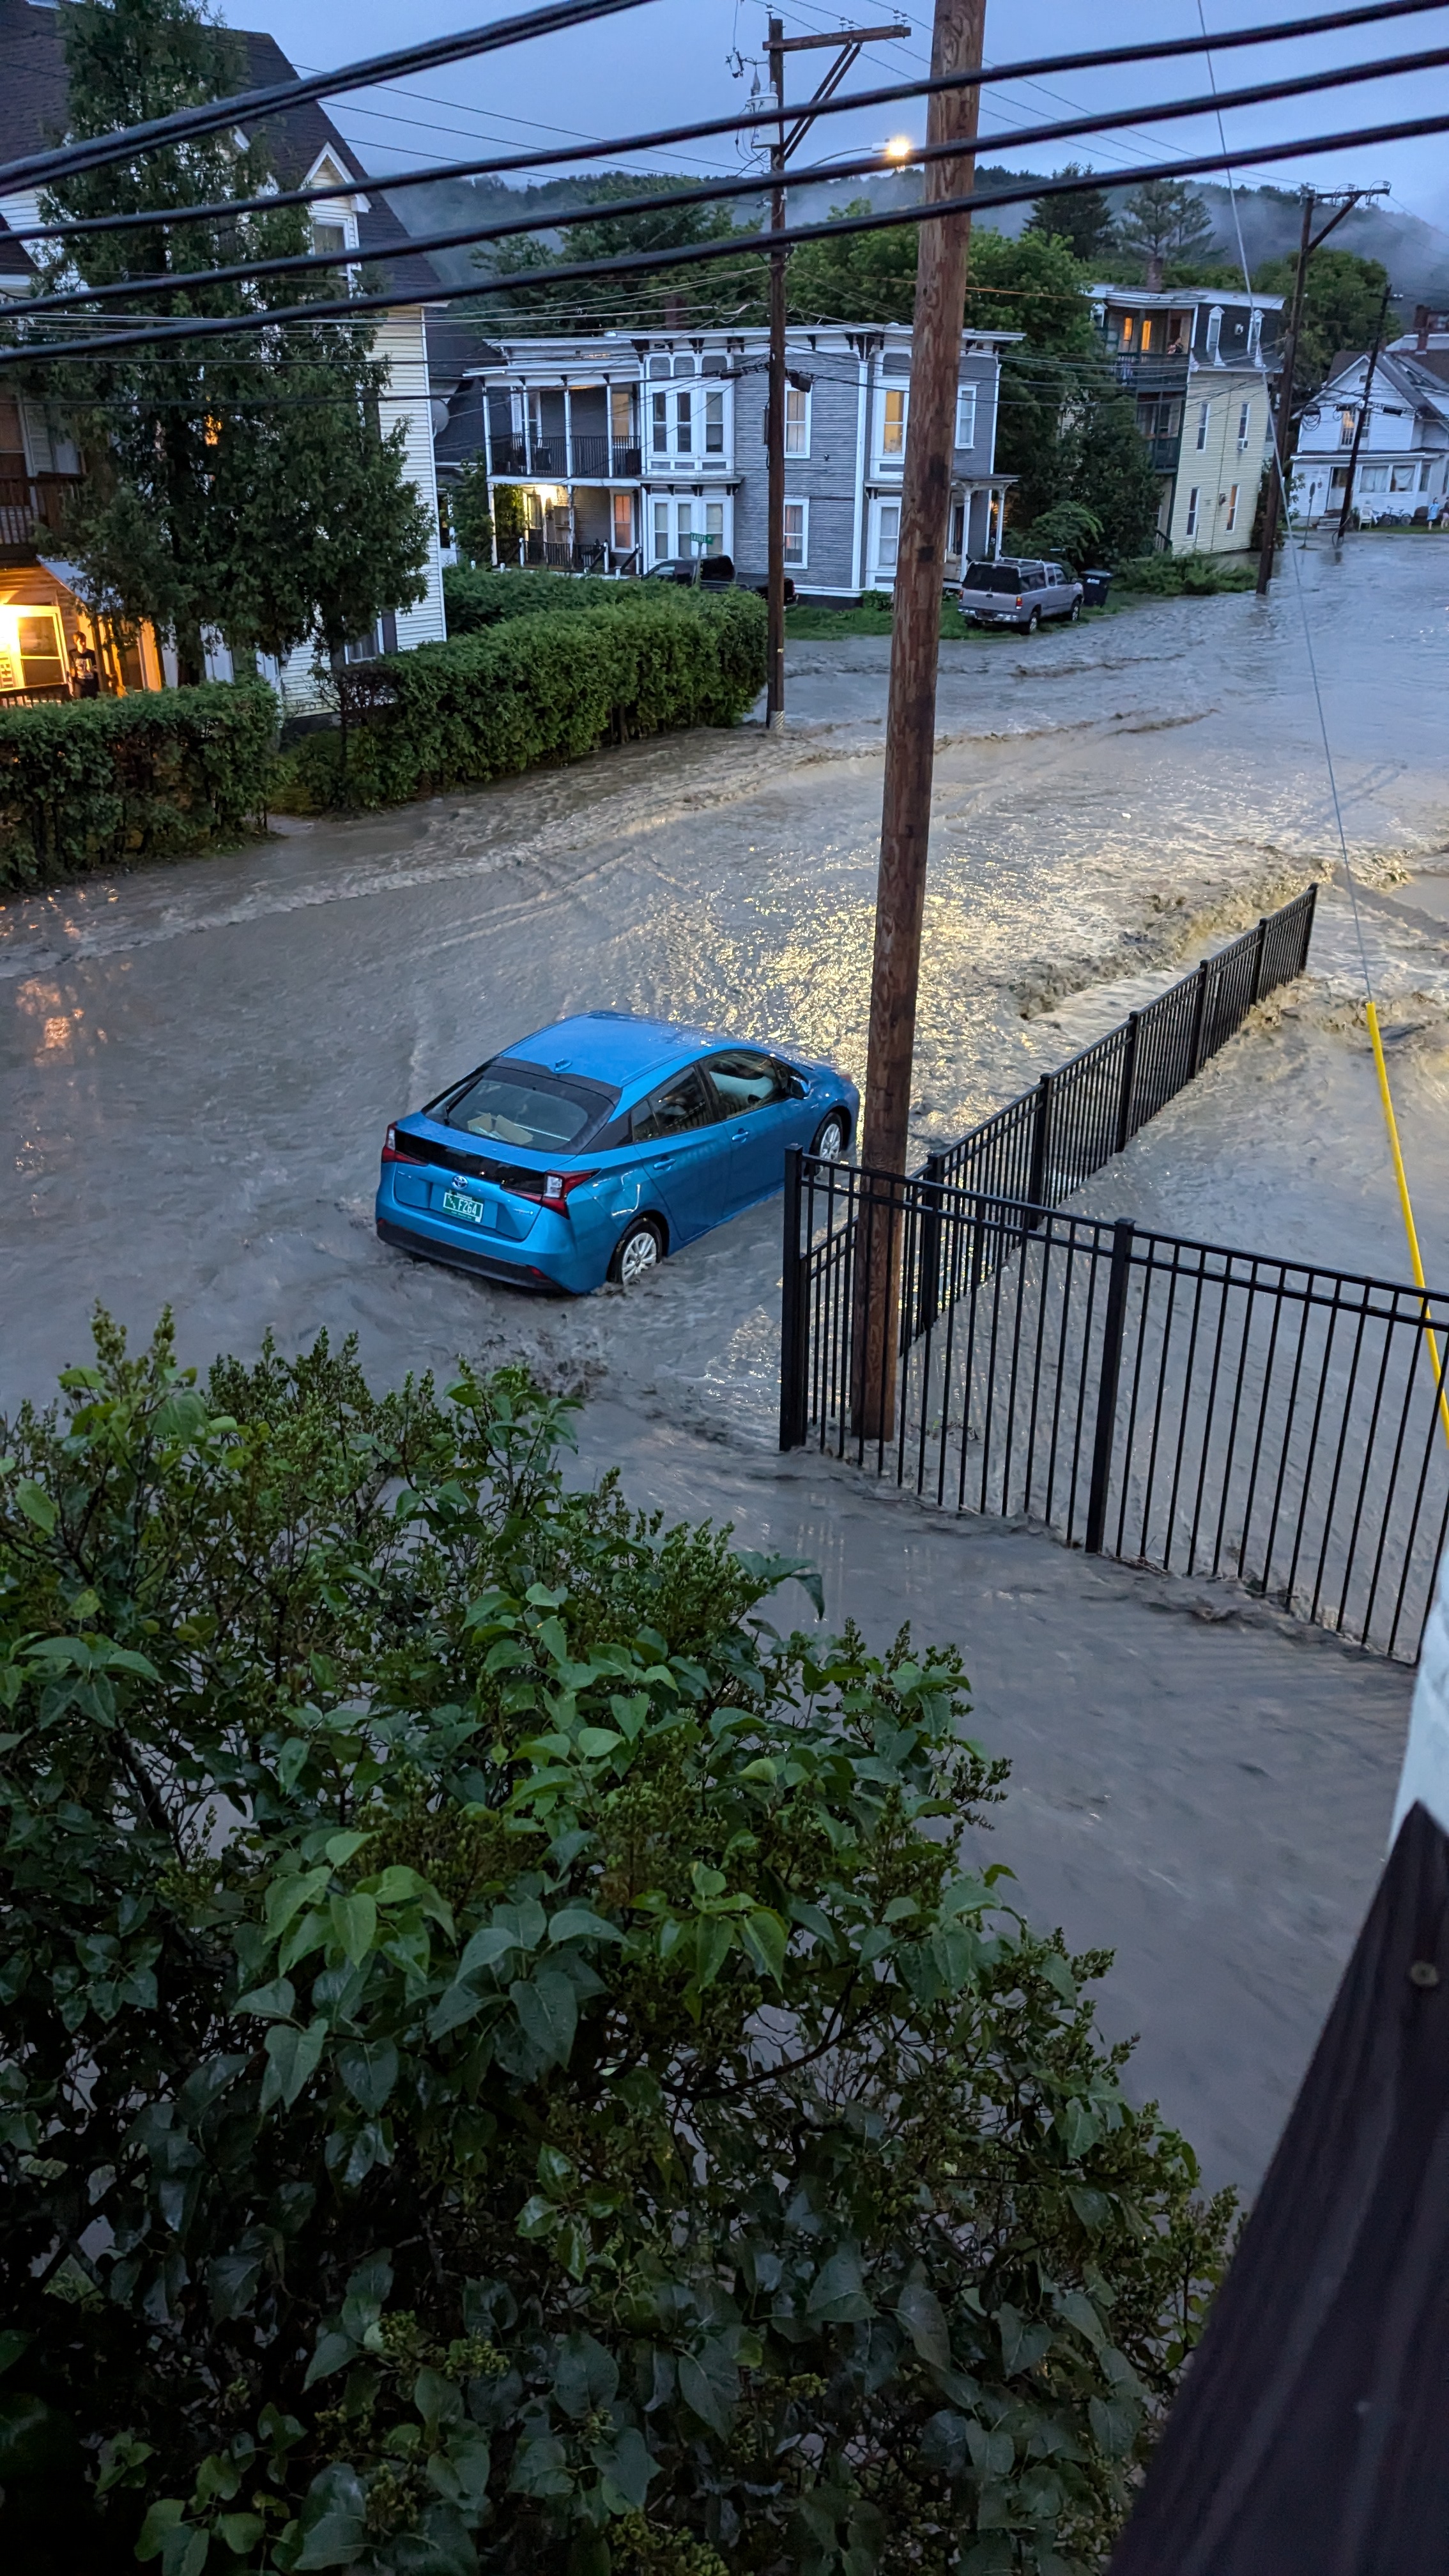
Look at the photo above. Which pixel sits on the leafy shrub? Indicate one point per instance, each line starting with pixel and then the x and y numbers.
pixel 475 597
pixel 533 687
pixel 1188 576
pixel 1067 533
pixel 107 782
pixel 503 2059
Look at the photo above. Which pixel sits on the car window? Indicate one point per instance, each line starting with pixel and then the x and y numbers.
pixel 674 1109
pixel 516 1106
pixel 1033 576
pixel 991 576
pixel 745 1080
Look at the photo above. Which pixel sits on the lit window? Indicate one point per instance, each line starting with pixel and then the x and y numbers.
pixel 1347 423
pixel 1129 329
pixel 1192 500
pixel 797 421
pixel 893 426
pixel 795 516
pixel 966 415
pixel 1233 507
pixel 623 521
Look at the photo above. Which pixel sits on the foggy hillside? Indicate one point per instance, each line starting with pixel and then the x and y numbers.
pixel 1415 254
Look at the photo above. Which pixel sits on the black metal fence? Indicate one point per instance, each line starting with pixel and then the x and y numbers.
pixel 1045 1144
pixel 1171 1403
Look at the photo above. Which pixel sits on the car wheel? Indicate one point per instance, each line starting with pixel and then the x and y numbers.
pixel 639 1250
pixel 832 1137
pixel 1076 610
pixel 1034 621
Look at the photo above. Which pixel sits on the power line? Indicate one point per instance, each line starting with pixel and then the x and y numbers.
pixel 39 168
pixel 304 264
pixel 1368 13
pixel 697 254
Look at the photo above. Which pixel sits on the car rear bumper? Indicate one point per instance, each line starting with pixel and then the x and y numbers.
pixel 428 1241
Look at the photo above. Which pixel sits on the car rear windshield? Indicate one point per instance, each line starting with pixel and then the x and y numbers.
pixel 992 576
pixel 520 1104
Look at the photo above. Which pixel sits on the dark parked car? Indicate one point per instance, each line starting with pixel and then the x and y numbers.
pixel 706 572
pixel 1014 592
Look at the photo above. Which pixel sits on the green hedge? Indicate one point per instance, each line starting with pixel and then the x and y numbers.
pixel 1188 576
pixel 474 598
pixel 540 687
pixel 107 782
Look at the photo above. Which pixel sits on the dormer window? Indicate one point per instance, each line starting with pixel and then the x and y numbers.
pixel 329 239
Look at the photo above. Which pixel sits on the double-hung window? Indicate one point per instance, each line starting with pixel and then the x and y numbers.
pixel 965 415
pixel 797 420
pixel 797 531
pixel 1204 415
pixel 1192 502
pixel 893 421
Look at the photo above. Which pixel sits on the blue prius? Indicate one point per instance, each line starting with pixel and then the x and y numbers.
pixel 589 1151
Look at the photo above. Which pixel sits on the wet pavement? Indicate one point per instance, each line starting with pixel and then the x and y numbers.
pixel 197 1066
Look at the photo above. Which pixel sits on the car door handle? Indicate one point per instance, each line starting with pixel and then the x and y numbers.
pixel 739 1135
pixel 663 1163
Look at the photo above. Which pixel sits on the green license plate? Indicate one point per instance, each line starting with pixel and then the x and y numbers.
pixel 470 1209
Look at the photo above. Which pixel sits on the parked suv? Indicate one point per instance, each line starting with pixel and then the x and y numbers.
pixel 713 572
pixel 1011 592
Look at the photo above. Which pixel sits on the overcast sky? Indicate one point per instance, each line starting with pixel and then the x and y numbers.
pixel 670 61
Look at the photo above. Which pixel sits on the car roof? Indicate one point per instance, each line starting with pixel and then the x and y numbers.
pixel 616 1047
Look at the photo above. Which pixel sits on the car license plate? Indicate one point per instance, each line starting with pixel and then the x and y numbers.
pixel 455 1203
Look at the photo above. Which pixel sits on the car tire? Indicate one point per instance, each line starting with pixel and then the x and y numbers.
pixel 639 1250
pixel 1033 622
pixel 831 1141
pixel 1074 612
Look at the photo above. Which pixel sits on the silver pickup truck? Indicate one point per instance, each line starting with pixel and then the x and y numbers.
pixel 1014 592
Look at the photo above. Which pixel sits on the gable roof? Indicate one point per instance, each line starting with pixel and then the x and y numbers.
pixel 1426 387
pixel 33 114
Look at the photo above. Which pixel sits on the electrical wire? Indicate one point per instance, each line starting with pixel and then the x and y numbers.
pixel 304 264
pixel 36 169
pixel 1386 1097
pixel 125 145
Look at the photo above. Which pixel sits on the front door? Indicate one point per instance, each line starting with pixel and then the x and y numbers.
pixel 758 1107
pixel 688 1165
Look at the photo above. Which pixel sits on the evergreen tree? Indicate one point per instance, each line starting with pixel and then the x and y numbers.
pixel 663 299
pixel 244 487
pixel 1163 221
pixel 1081 218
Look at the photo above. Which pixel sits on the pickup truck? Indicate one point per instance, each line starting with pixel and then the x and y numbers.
pixel 1014 592
pixel 714 572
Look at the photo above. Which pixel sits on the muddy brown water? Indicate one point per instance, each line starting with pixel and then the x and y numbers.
pixel 197 1065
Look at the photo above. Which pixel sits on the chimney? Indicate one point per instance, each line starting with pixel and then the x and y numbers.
pixel 1421 326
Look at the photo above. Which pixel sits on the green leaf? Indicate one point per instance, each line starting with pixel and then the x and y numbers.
pixel 547 2006
pixel 40 1511
pixel 287 1896
pixel 333 2353
pixel 275 2002
pixel 334 2519
pixel 341 1848
pixel 713 1940
pixel 580 1923
pixel 369 2069
pixel 837 2295
pixel 708 2390
pixel 240 2532
pixel 628 2466
pixel 12 2344
pixel 769 1572
pixel 1114 2425
pixel 292 2056
pixel 485 1950
pixel 764 1937
pixel 594 1742
pixel 354 1925
pixel 163 2516
pixel 924 2319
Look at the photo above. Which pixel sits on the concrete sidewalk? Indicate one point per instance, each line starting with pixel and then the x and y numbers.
pixel 1197 1782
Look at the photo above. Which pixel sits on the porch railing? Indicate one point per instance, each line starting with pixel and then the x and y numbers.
pixel 30 501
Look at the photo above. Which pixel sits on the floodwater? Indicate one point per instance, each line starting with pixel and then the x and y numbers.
pixel 197 1065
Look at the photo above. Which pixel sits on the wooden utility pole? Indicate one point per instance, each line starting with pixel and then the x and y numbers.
pixel 1344 200
pixel 956 46
pixel 775 408
pixel 846 42
pixel 1361 424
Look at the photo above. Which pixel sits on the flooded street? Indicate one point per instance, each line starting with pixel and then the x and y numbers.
pixel 198 1065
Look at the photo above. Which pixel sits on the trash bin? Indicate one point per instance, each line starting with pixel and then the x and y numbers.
pixel 1095 586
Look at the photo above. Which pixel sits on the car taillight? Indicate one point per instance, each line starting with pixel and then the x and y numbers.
pixel 1021 603
pixel 552 1188
pixel 393 1152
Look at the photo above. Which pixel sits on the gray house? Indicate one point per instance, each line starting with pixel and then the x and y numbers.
pixel 628 450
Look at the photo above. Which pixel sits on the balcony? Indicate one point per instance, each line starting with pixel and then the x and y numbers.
pixel 30 502
pixel 1151 373
pixel 595 460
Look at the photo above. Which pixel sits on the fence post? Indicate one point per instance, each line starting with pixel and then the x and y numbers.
pixel 928 1295
pixel 1257 991
pixel 1040 1141
pixel 794 1354
pixel 1199 1015
pixel 1112 1328
pixel 1310 907
pixel 1129 1078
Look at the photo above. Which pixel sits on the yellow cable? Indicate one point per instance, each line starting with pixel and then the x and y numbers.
pixel 1406 1204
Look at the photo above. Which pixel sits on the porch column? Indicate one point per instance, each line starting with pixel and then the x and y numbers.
pixel 569 438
